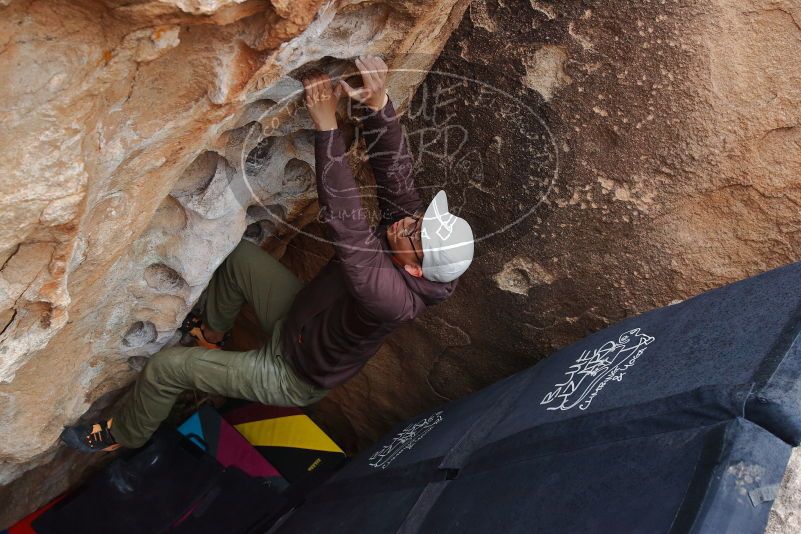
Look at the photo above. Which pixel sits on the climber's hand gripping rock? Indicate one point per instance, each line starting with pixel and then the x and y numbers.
pixel 373 92
pixel 321 100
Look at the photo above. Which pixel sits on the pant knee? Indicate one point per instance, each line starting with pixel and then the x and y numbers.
pixel 164 363
pixel 238 262
pixel 242 254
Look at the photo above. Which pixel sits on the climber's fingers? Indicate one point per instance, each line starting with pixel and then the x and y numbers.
pixel 365 72
pixel 308 89
pixel 377 69
pixel 381 67
pixel 317 87
pixel 317 93
pixel 355 94
pixel 329 89
pixel 322 87
pixel 369 76
pixel 350 91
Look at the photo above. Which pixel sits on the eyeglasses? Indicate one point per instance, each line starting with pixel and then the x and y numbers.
pixel 414 234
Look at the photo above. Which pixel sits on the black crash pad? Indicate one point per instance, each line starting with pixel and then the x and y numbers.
pixel 168 486
pixel 729 352
pixel 718 373
pixel 664 474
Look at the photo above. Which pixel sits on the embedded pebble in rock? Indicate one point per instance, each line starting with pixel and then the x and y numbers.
pixel 520 275
pixel 545 70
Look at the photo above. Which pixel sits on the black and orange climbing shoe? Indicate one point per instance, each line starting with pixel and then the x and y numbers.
pixel 91 438
pixel 192 333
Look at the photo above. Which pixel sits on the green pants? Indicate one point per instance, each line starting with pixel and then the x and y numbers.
pixel 250 275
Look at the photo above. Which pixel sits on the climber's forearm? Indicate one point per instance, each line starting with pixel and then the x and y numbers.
pixel 337 192
pixel 341 211
pixel 392 163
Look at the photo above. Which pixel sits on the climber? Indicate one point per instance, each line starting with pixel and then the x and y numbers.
pixel 324 332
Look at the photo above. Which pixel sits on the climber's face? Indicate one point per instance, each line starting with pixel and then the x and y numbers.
pixel 404 238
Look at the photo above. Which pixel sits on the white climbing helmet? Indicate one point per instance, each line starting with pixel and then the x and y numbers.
pixel 447 242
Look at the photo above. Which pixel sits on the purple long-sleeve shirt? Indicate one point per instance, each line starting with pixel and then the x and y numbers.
pixel 340 319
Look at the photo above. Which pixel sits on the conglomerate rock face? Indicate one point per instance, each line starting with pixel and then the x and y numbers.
pixel 139 140
pixel 612 157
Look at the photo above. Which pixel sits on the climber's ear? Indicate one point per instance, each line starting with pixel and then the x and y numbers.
pixel 414 270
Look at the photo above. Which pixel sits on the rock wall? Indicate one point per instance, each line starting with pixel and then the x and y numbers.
pixel 140 139
pixel 612 157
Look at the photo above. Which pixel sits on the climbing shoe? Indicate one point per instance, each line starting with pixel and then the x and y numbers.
pixel 192 333
pixel 91 438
